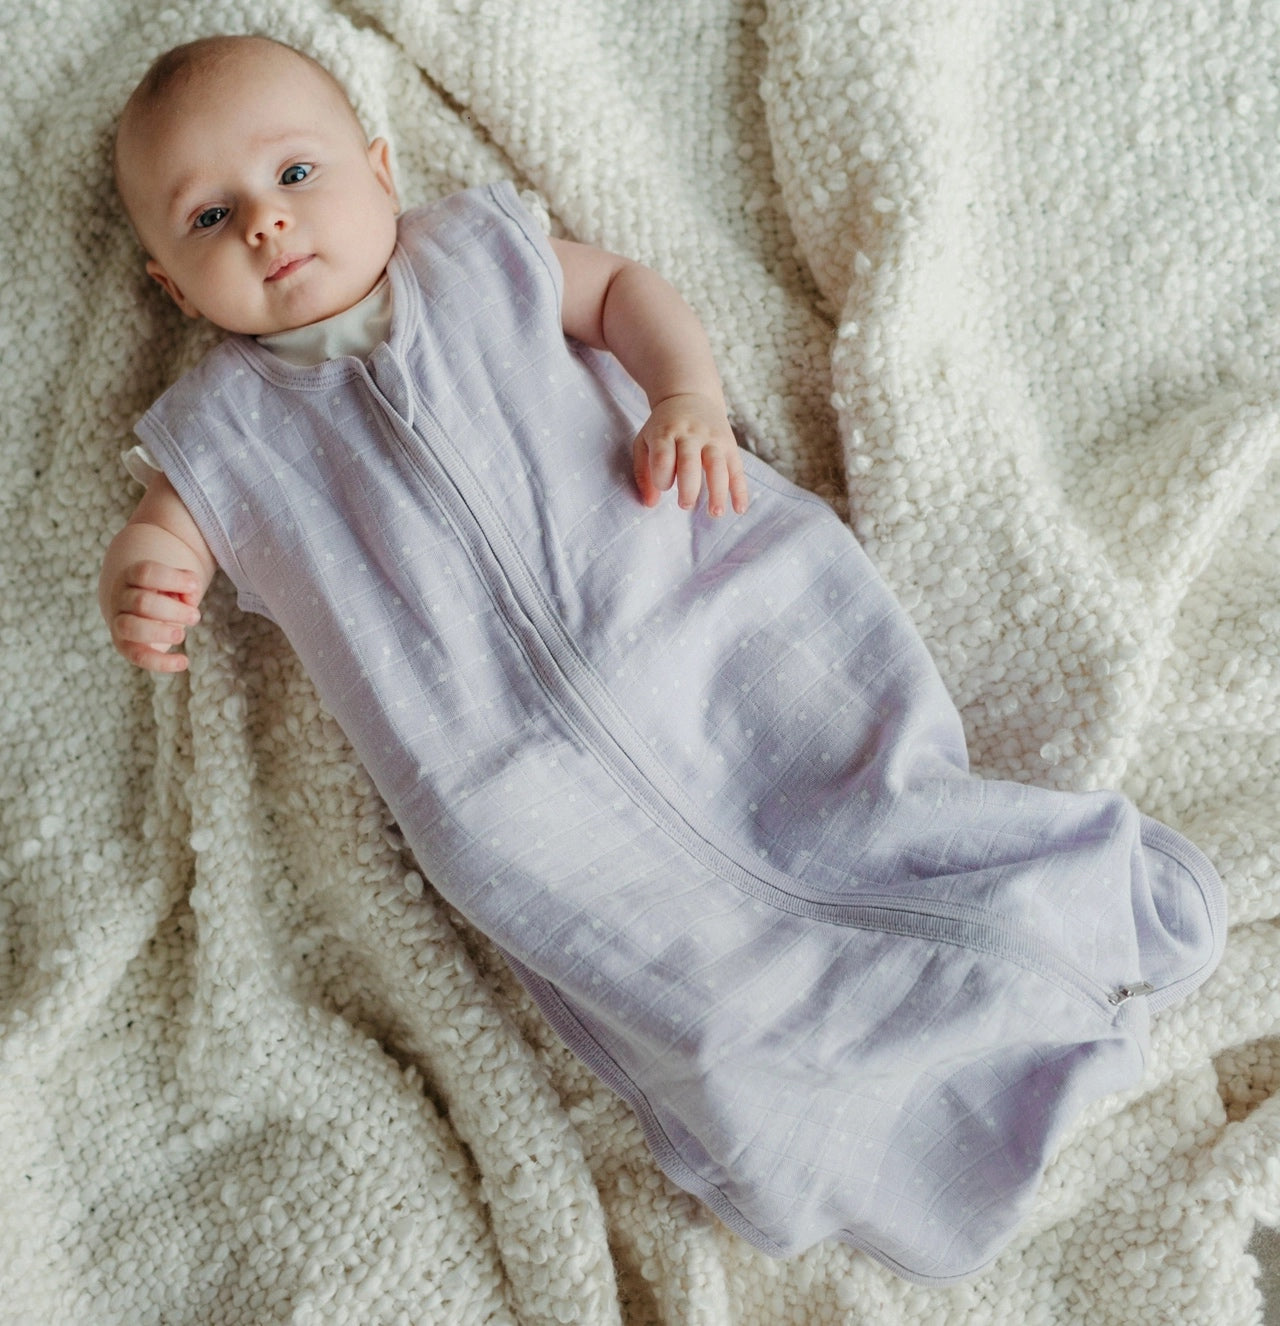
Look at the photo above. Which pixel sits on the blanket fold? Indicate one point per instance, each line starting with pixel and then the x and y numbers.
pixel 996 281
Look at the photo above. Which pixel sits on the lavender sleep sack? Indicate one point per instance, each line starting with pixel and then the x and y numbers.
pixel 699 779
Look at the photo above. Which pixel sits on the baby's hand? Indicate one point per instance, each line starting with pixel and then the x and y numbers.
pixel 685 438
pixel 152 606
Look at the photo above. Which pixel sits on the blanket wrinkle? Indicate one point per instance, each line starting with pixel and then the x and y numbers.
pixel 1003 272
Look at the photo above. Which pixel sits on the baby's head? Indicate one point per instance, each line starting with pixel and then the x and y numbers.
pixel 252 187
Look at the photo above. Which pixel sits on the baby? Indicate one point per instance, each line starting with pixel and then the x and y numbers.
pixel 698 778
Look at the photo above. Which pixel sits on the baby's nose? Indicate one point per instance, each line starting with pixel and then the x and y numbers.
pixel 265 221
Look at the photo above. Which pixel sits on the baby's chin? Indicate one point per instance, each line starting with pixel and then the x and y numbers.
pixel 307 312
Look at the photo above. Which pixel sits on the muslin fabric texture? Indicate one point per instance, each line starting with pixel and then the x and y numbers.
pixel 698 777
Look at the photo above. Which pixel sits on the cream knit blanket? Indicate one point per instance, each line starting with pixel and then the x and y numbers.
pixel 999 275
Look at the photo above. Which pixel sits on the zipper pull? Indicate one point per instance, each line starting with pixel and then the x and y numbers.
pixel 1127 992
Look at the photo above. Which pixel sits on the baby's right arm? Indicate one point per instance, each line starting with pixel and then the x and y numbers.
pixel 153 577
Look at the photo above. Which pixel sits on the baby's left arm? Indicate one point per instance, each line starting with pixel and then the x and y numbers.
pixel 618 305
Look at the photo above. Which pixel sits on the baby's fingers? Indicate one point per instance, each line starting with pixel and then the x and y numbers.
pixel 663 461
pixel 655 467
pixel 690 462
pixel 154 660
pixel 151 605
pixel 147 643
pixel 726 482
pixel 731 476
pixel 167 580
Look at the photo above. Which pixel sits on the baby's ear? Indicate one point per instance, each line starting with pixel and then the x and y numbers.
pixel 170 287
pixel 380 164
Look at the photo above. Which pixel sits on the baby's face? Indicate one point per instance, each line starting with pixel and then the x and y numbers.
pixel 257 197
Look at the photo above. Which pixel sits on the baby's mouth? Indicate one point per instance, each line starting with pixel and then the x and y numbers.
pixel 286 264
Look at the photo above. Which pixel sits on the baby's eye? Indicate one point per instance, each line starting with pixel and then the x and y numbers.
pixel 210 217
pixel 295 174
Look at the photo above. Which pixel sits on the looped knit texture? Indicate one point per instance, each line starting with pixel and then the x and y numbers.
pixel 996 281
